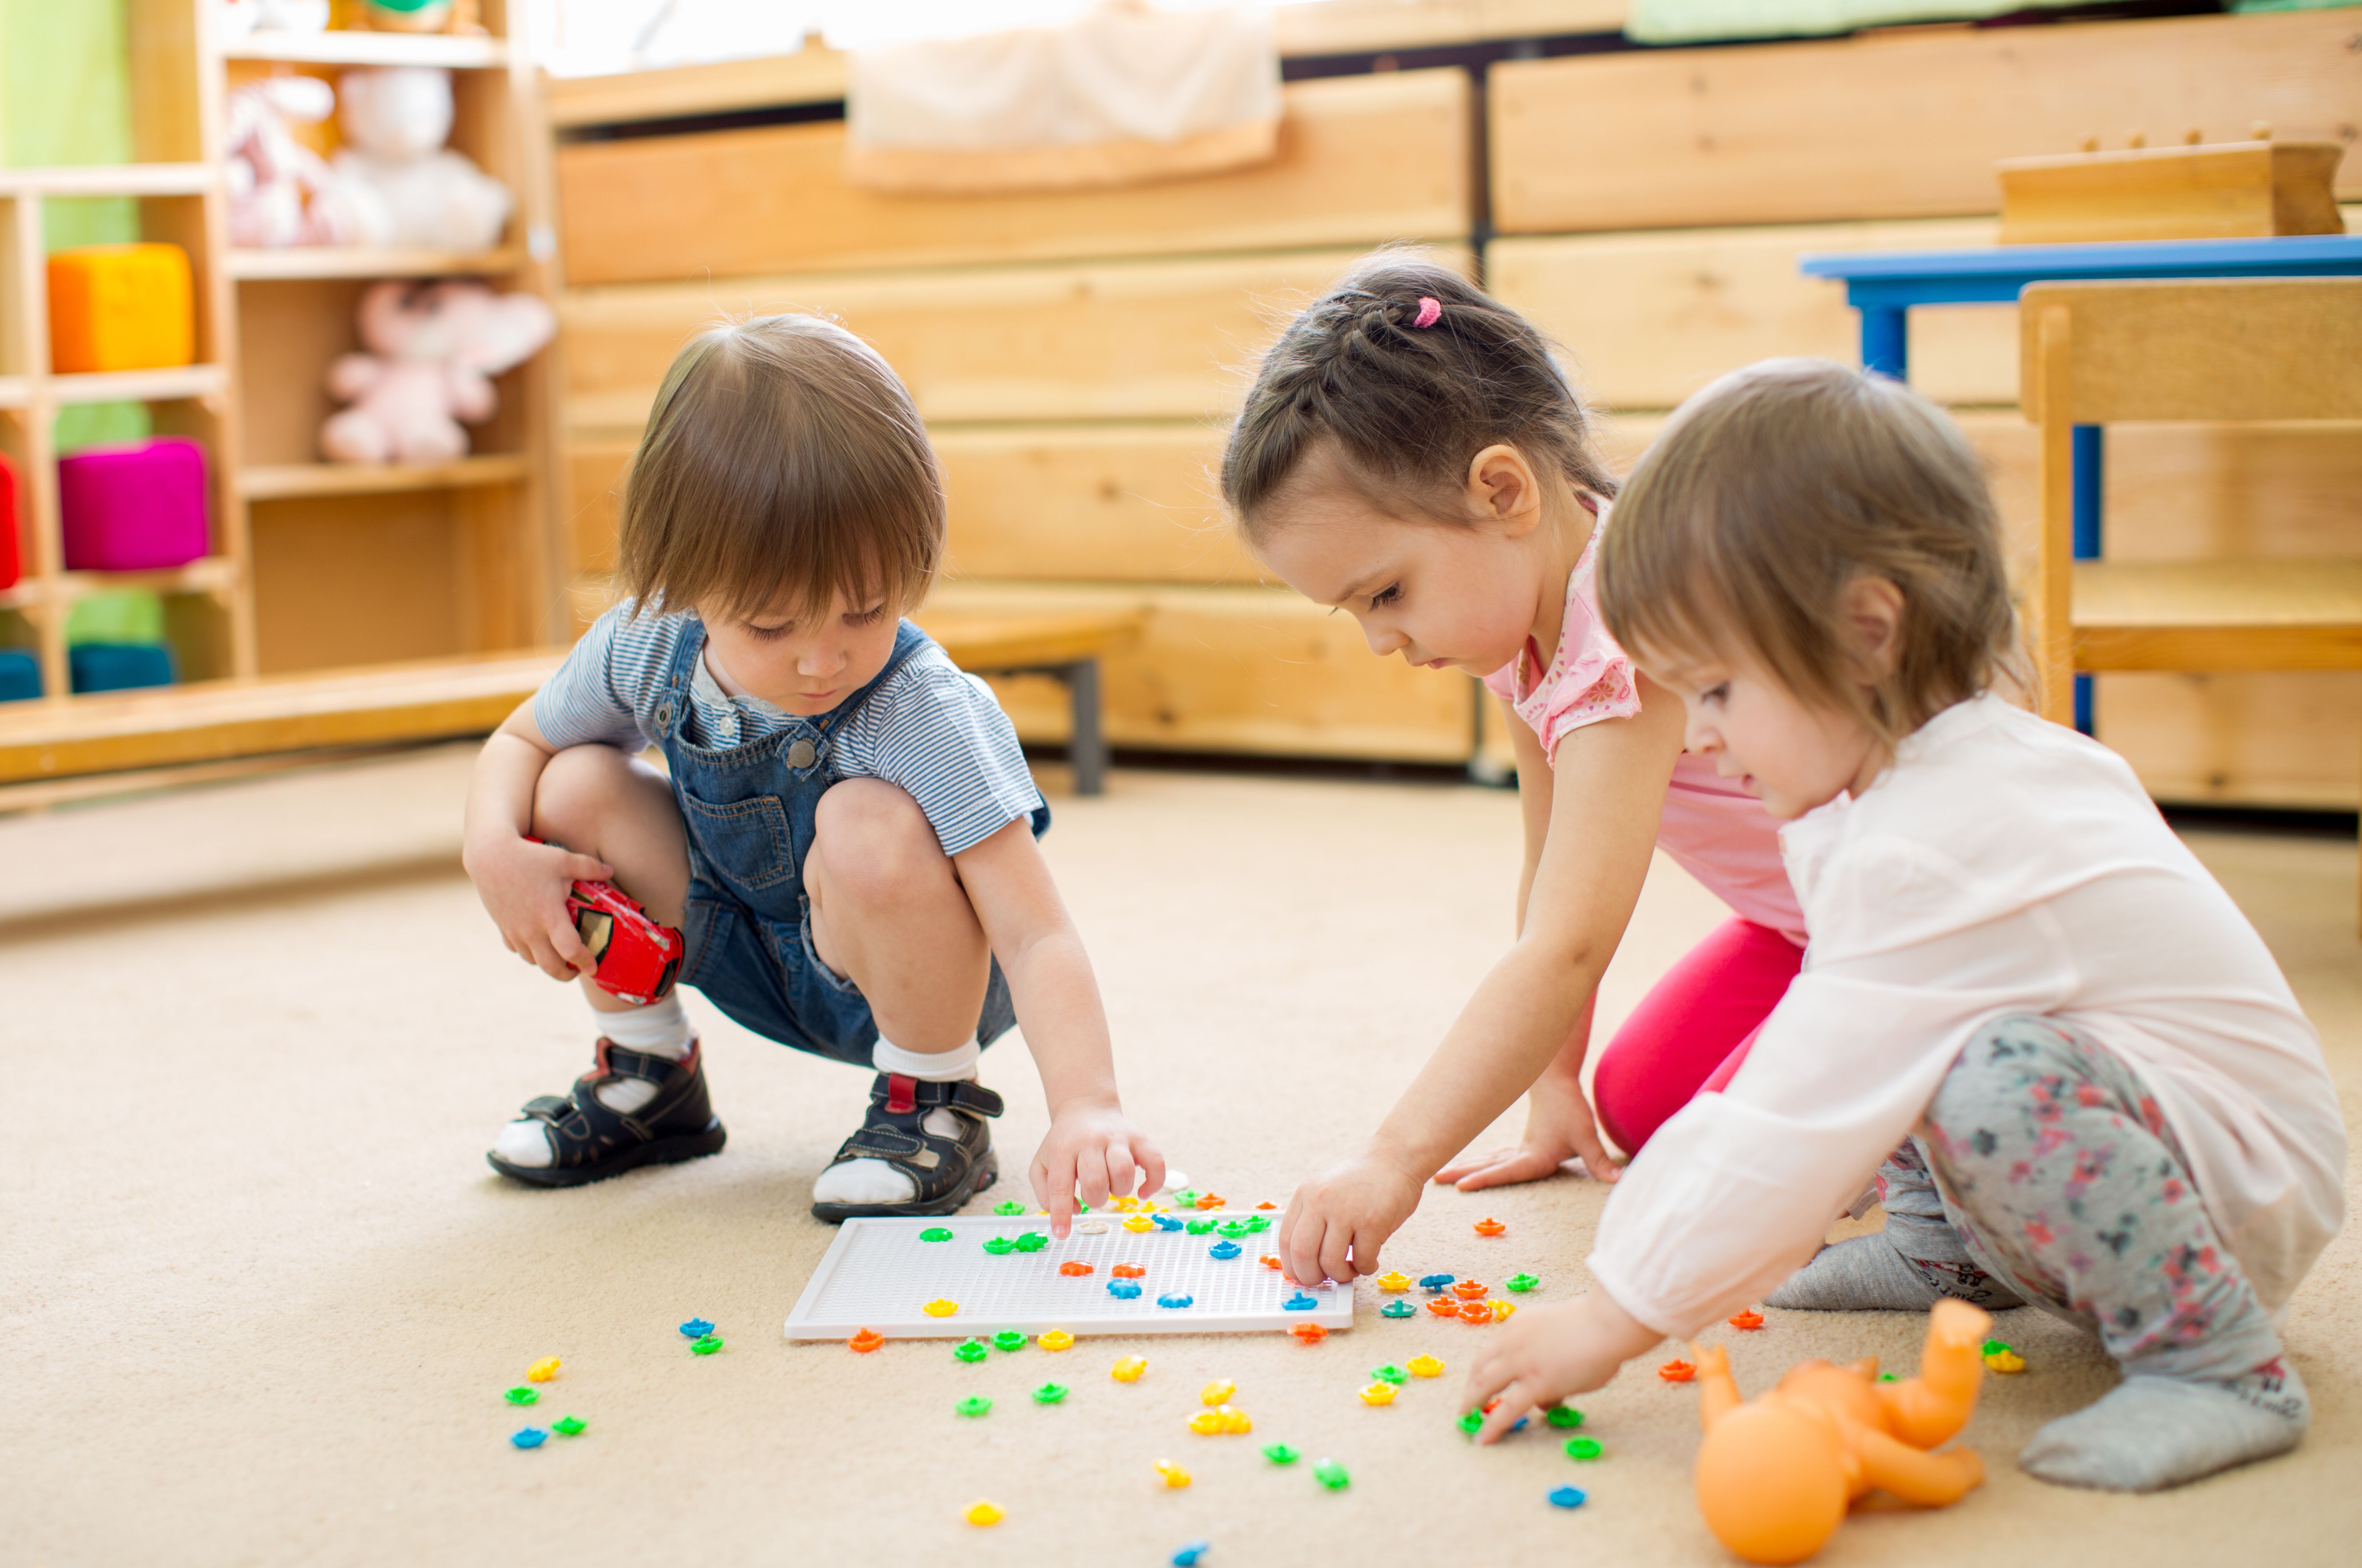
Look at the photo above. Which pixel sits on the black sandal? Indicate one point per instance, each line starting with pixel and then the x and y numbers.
pixel 947 1171
pixel 594 1142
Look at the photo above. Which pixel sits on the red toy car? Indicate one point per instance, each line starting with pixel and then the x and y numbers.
pixel 637 959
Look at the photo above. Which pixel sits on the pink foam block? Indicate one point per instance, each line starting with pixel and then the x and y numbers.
pixel 133 508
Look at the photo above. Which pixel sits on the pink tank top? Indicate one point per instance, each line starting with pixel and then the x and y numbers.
pixel 1715 831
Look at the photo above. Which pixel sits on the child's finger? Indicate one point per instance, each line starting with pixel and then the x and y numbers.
pixel 1151 1161
pixel 1057 1190
pixel 1300 1250
pixel 1121 1177
pixel 1594 1157
pixel 586 869
pixel 566 943
pixel 1091 1178
pixel 1513 1166
pixel 1336 1261
pixel 1514 1403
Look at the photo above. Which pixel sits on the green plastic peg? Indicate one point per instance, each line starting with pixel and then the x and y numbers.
pixel 522 1394
pixel 706 1345
pixel 1008 1340
pixel 1280 1453
pixel 970 1350
pixel 1331 1475
pixel 1564 1416
pixel 1582 1448
pixel 1008 1207
pixel 974 1405
pixel 1049 1393
pixel 934 1233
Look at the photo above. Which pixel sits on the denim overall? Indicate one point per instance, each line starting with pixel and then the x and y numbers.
pixel 749 811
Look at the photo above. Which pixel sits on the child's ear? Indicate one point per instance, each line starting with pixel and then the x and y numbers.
pixel 1503 490
pixel 1873 612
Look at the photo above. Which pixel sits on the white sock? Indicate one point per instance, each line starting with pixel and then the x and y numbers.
pixel 874 1181
pixel 660 1028
pixel 927 1066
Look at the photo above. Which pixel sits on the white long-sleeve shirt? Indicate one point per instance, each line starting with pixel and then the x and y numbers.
pixel 2002 864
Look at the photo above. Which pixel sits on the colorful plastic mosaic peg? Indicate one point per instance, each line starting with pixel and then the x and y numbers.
pixel 1268 1260
pixel 1444 1307
pixel 1425 1366
pixel 1198 1227
pixel 1470 1422
pixel 568 1426
pixel 1390 1374
pixel 1433 1283
pixel 1489 1226
pixel 1128 1271
pixel 705 1345
pixel 1677 1371
pixel 1747 1319
pixel 2005 1359
pixel 1030 1241
pixel 696 1329
pixel 1177 1301
pixel 1008 1340
pixel 542 1371
pixel 1049 1393
pixel 1185 1198
pixel 1582 1448
pixel 1235 1228
pixel 1378 1394
pixel 1211 1201
pixel 1566 1497
pixel 1331 1475
pixel 939 1308
pixel 1563 1415
pixel 1398 1309
pixel 1218 1392
pixel 1521 1282
pixel 1310 1333
pixel 1123 1290
pixel 1139 1223
pixel 1280 1453
pixel 1129 1369
pixel 1470 1290
pixel 1476 1311
pixel 1500 1309
pixel 971 1349
pixel 1055 1340
pixel 1164 1221
pixel 1009 1208
pixel 529 1437
pixel 1224 1251
pixel 522 1396
pixel 867 1340
pixel 974 1405
pixel 1299 1302
pixel 1394 1282
pixel 982 1512
pixel 1073 1269
pixel 1186 1557
pixel 1000 1246
pixel 1173 1474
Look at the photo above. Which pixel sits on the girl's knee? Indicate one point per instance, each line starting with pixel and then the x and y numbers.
pixel 580 786
pixel 876 844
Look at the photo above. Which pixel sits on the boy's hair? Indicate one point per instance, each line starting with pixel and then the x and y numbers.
pixel 783 464
pixel 1407 405
pixel 1770 492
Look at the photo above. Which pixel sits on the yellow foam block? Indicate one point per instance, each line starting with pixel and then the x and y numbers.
pixel 120 308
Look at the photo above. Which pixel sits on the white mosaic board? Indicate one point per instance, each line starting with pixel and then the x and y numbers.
pixel 878 1273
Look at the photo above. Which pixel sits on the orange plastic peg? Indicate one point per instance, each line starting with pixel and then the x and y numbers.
pixel 1469 1289
pixel 1489 1227
pixel 1677 1371
pixel 1075 1267
pixel 1444 1307
pixel 1310 1333
pixel 867 1340
pixel 1475 1311
pixel 1128 1271
pixel 1751 1318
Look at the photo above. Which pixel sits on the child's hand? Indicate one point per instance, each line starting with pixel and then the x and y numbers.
pixel 1559 1127
pixel 523 885
pixel 1545 1354
pixel 1338 1221
pixel 1093 1149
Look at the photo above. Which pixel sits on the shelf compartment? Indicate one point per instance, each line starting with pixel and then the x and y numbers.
pixel 140 386
pixel 16 392
pixel 306 261
pixel 341 47
pixel 280 481
pixel 110 179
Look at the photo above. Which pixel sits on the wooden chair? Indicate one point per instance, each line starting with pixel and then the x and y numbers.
pixel 2217 351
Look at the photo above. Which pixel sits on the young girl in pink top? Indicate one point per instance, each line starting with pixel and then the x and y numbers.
pixel 1411 454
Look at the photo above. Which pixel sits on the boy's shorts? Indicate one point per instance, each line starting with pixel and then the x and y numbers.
pixel 765 975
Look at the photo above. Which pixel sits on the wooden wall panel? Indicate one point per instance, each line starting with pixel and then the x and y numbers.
pixel 1161 339
pixel 1904 124
pixel 1649 318
pixel 1360 158
pixel 2289 740
pixel 1242 670
pixel 361 580
pixel 591 481
pixel 1112 503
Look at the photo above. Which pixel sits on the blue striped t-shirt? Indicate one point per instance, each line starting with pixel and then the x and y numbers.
pixel 930 731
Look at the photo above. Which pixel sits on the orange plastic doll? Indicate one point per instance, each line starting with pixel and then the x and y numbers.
pixel 1776 1475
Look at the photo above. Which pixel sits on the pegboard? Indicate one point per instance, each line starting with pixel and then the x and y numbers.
pixel 877 1275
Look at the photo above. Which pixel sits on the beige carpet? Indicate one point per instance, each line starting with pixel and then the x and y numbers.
pixel 259 1295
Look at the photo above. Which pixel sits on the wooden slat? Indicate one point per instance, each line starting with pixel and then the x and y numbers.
pixel 1356 27
pixel 2218 614
pixel 989 640
pixel 2267 348
pixel 1360 158
pixel 807 76
pixel 1106 340
pixel 1090 503
pixel 2278 740
pixel 1649 318
pixel 279 481
pixel 1895 125
pixel 212 720
pixel 1238 669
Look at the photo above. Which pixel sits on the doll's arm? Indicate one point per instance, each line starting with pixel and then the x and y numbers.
pixel 472 397
pixel 351 375
pixel 1929 1480
pixel 1717 1390
pixel 1931 1408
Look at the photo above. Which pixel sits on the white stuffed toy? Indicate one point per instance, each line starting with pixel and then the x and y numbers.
pixel 280 192
pixel 433 349
pixel 407 187
pixel 241 18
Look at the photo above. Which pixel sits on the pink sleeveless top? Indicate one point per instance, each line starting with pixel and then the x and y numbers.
pixel 1716 831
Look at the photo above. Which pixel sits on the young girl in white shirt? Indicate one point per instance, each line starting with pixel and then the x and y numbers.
pixel 2088 1082
pixel 1411 454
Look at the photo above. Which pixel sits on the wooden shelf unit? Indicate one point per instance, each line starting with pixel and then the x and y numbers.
pixel 314 565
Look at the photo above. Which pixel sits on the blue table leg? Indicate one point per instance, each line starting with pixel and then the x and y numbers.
pixel 1886 341
pixel 2091 451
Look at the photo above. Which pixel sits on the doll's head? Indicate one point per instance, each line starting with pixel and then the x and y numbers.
pixel 1810 557
pixel 1411 452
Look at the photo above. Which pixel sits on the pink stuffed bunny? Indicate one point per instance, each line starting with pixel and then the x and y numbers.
pixel 433 349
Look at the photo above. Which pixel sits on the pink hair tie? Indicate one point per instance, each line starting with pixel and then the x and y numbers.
pixel 1430 311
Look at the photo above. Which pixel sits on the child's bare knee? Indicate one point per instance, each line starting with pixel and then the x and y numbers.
pixel 580 786
pixel 876 844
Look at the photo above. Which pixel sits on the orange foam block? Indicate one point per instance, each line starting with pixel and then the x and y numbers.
pixel 120 308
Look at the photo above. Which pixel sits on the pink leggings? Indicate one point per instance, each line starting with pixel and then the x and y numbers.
pixel 1692 1029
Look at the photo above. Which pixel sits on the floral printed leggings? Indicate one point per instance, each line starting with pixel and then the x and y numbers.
pixel 2052 1167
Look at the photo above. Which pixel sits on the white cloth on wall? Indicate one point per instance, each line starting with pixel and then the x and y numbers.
pixel 1124 94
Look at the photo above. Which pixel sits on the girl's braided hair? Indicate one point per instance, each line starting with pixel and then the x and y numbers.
pixel 1407 405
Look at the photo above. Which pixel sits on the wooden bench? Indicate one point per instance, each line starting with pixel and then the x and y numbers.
pixel 210 721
